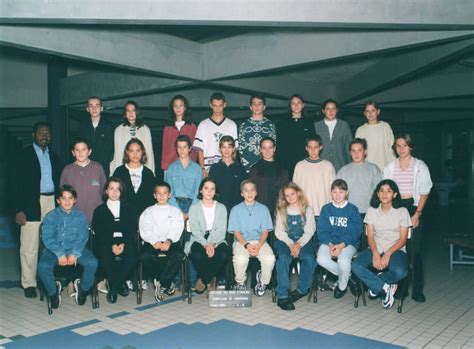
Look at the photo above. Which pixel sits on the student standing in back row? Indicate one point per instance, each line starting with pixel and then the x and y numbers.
pixel 292 133
pixel 379 136
pixel 253 130
pixel 210 131
pixel 99 133
pixel 132 127
pixel 180 125
pixel 335 135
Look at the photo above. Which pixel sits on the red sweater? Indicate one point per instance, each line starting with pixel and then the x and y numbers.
pixel 170 133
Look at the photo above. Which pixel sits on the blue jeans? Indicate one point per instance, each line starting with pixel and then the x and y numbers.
pixel 307 266
pixel 397 270
pixel 49 260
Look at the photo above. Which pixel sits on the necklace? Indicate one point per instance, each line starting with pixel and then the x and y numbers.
pixel 249 211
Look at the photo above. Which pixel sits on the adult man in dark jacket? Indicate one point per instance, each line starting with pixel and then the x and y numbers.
pixel 36 177
pixel 99 133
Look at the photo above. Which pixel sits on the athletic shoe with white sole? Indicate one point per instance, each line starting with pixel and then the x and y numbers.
pixel 260 287
pixel 389 298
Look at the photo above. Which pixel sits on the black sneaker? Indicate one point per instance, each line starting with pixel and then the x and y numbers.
pixel 286 304
pixel 81 295
pixel 338 293
pixel 353 286
pixel 295 296
pixel 30 292
pixel 123 290
pixel 56 298
pixel 171 289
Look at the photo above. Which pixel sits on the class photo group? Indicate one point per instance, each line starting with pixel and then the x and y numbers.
pixel 303 190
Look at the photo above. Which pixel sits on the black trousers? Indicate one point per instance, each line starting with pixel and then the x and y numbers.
pixel 117 269
pixel 206 267
pixel 162 265
pixel 418 281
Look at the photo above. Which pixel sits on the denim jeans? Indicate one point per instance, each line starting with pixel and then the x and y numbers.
pixel 307 266
pixel 397 270
pixel 49 260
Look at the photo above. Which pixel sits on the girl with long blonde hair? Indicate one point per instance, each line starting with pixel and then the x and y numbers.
pixel 294 229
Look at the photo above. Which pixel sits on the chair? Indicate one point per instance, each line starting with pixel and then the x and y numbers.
pixel 230 280
pixel 362 289
pixel 184 272
pixel 67 274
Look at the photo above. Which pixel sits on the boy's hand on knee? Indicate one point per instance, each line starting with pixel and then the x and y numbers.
pixel 157 245
pixel 62 261
pixel 71 260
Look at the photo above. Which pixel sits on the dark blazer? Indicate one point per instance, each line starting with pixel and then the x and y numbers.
pixel 104 226
pixel 26 180
pixel 101 141
pixel 267 193
pixel 143 198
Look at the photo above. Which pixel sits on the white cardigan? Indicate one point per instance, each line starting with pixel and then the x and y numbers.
pixel 121 138
pixel 421 183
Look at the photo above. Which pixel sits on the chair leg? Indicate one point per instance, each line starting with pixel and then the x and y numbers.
pixel 139 284
pixel 188 283
pixel 273 282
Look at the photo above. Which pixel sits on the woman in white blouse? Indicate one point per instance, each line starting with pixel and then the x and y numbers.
pixel 132 127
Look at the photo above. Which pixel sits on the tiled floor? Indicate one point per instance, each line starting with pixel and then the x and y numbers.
pixel 446 320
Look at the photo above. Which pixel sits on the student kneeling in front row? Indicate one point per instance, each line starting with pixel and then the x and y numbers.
pixel 65 234
pixel 250 222
pixel 161 226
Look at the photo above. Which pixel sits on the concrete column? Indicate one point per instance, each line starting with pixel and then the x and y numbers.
pixel 57 115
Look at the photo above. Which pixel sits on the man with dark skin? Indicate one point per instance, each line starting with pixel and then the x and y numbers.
pixel 36 177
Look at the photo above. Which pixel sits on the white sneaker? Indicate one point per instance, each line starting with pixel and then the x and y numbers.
pixel 260 287
pixel 144 285
pixel 129 284
pixel 159 291
pixel 389 298
pixel 102 287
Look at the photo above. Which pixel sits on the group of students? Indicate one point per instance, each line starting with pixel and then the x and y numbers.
pixel 204 184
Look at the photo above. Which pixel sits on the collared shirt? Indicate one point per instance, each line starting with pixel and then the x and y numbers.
pixel 65 233
pixel 387 226
pixel 46 183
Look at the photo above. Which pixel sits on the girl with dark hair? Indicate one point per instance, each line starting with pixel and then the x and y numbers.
pixel 208 247
pixel 132 127
pixel 115 236
pixel 335 135
pixel 180 125
pixel 269 175
pixel 387 233
pixel 413 178
pixel 292 132
pixel 138 180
